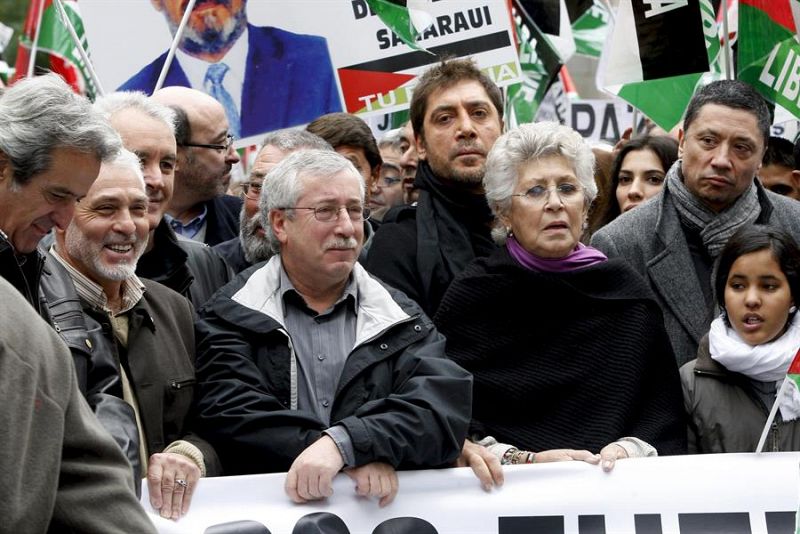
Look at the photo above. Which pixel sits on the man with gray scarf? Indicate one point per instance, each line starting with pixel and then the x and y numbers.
pixel 709 193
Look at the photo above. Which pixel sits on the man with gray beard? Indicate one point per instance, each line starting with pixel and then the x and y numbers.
pixel 147 328
pixel 251 246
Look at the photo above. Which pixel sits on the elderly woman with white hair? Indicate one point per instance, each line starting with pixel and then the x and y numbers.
pixel 567 348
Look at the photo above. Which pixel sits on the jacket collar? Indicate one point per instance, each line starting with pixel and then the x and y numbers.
pixel 377 310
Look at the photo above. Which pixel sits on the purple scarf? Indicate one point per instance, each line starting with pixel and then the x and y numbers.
pixel 580 257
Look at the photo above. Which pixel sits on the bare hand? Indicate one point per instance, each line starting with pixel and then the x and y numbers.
pixel 375 479
pixel 624 138
pixel 167 495
pixel 484 464
pixel 310 478
pixel 610 454
pixel 566 455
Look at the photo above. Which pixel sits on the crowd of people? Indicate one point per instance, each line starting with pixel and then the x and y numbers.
pixel 450 295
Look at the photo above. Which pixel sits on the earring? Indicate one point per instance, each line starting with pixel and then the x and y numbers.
pixel 792 309
pixel 509 232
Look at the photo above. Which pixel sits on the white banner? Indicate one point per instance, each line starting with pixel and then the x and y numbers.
pixel 731 493
pixel 373 70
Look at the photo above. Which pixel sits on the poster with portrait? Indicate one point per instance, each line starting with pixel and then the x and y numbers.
pixel 275 64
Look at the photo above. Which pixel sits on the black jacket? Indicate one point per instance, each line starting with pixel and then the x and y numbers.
pixel 222 219
pixel 191 268
pixel 401 401
pixel 23 272
pixel 233 254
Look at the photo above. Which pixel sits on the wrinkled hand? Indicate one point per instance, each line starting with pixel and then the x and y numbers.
pixel 484 464
pixel 170 499
pixel 566 455
pixel 609 454
pixel 375 479
pixel 311 476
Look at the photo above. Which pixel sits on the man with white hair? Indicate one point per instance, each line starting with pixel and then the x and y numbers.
pixel 146 326
pixel 309 365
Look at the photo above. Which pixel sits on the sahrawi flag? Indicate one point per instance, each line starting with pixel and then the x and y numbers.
pixel 408 19
pixel 55 49
pixel 656 55
pixel 769 55
pixel 590 23
pixel 790 400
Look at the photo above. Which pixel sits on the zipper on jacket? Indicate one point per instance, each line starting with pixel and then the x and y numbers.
pixel 178 384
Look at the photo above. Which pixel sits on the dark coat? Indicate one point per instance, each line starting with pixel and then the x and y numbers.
pixel 233 254
pixel 23 272
pixel 222 219
pixel 277 92
pixel 159 362
pixel 726 413
pixel 653 242
pixel 563 360
pixel 189 267
pixel 400 400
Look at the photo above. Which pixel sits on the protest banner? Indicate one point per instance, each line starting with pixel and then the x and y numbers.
pixel 370 69
pixel 678 494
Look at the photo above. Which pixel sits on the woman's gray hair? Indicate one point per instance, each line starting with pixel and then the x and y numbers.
pixel 283 185
pixel 530 142
pixel 127 161
pixel 113 103
pixel 41 114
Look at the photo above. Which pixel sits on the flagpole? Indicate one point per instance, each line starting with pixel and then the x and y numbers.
pixel 771 417
pixel 726 44
pixel 62 13
pixel 175 40
pixel 35 44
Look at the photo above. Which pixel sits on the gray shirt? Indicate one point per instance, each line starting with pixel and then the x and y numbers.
pixel 321 342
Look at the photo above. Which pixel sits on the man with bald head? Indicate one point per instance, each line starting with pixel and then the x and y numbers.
pixel 147 129
pixel 147 327
pixel 199 208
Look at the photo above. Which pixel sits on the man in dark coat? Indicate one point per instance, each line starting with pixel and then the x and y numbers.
pixel 148 129
pixel 199 208
pixel 457 114
pixel 309 365
pixel 146 326
pixel 673 239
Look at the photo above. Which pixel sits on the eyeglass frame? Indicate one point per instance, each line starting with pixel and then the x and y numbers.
pixel 227 146
pixel 246 188
pixel 548 191
pixel 365 212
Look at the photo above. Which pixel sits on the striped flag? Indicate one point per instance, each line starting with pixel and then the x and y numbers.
pixel 590 23
pixel 551 17
pixel 658 72
pixel 769 55
pixel 55 50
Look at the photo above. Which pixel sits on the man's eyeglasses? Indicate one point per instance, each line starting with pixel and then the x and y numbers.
pixel 566 192
pixel 227 146
pixel 252 190
pixel 331 213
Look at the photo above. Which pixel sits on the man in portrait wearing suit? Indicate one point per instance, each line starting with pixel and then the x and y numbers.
pixel 264 77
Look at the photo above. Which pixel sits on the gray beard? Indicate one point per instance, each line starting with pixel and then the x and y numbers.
pixel 256 248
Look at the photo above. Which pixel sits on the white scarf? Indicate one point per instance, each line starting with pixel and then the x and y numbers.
pixel 767 362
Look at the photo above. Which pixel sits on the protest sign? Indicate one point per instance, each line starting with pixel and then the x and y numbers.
pixel 678 494
pixel 302 58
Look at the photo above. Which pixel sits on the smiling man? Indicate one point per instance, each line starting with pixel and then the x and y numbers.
pixel 708 194
pixel 259 74
pixel 307 364
pixel 147 329
pixel 457 114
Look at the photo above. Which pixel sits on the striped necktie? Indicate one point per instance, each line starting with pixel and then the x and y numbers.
pixel 213 85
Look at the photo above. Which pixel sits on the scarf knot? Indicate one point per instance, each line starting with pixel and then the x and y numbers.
pixel 580 257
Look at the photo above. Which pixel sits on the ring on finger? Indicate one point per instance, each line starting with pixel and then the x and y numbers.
pixel 181 482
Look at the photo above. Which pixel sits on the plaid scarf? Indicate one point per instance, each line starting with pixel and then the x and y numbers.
pixel 714 228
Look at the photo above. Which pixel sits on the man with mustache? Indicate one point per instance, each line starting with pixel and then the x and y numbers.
pixel 456 114
pixel 251 246
pixel 308 364
pixel 259 74
pixel 147 129
pixel 147 327
pixel 709 193
pixel 199 208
